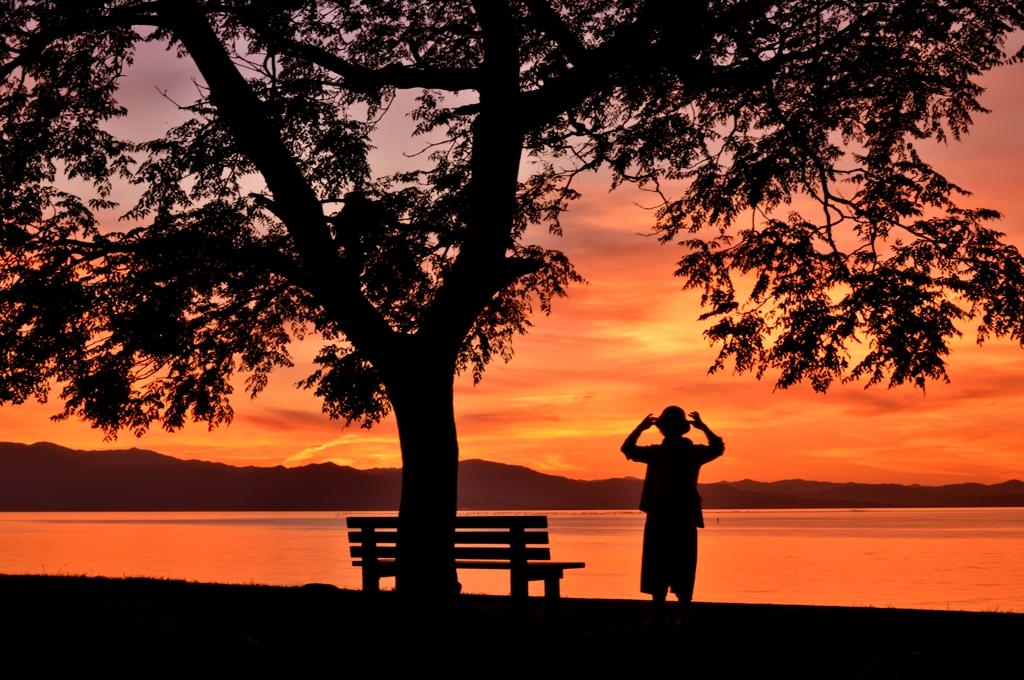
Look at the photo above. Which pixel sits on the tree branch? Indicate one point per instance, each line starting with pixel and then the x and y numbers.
pixel 592 67
pixel 551 23
pixel 362 79
pixel 255 254
pixel 596 65
pixel 297 204
pixel 494 168
pixel 38 42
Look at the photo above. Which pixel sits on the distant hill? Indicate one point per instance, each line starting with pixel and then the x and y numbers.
pixel 47 477
pixel 797 493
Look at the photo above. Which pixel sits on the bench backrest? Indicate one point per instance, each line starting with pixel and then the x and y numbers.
pixel 500 538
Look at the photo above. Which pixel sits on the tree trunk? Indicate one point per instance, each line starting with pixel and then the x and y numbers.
pixel 425 413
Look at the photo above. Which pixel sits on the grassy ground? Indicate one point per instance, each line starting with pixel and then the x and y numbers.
pixel 147 628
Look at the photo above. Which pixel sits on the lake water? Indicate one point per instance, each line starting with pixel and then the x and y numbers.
pixel 924 558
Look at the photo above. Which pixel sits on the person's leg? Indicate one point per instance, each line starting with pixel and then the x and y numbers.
pixel 653 576
pixel 683 613
pixel 685 592
pixel 659 604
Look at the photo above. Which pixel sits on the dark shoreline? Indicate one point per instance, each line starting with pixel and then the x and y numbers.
pixel 151 627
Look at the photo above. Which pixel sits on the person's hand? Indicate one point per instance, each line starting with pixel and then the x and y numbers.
pixel 697 422
pixel 647 423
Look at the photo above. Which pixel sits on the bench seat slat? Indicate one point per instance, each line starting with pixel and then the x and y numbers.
pixel 467 553
pixel 387 567
pixel 472 522
pixel 460 537
pixel 383 567
pixel 531 567
pixel 504 522
pixel 372 522
pixel 378 537
pixel 500 537
pixel 463 553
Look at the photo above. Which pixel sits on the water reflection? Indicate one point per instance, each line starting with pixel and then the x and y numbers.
pixel 929 558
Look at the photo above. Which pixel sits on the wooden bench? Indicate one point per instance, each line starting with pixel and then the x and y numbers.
pixel 480 543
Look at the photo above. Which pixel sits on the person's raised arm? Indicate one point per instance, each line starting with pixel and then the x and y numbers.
pixel 716 447
pixel 629 447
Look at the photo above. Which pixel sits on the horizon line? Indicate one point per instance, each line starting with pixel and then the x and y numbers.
pixel 484 460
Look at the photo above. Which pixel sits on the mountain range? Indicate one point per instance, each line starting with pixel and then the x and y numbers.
pixel 47 477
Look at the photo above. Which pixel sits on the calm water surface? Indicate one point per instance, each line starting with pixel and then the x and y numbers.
pixel 930 558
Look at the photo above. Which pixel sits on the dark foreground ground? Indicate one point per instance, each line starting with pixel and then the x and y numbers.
pixel 149 628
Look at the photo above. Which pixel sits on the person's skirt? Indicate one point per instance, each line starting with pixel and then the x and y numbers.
pixel 670 556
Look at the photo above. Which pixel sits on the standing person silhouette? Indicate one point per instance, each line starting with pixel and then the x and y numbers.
pixel 672 505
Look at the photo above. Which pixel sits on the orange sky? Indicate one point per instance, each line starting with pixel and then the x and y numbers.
pixel 629 344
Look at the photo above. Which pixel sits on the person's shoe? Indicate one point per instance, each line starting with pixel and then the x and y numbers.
pixel 683 616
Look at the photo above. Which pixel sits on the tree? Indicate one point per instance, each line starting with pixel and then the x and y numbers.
pixel 260 218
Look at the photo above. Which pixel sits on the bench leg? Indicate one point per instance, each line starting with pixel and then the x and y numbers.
pixel 552 594
pixel 520 589
pixel 371 581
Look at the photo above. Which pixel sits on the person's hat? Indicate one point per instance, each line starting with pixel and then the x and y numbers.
pixel 673 421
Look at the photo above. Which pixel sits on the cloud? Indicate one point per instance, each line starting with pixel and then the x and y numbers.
pixel 286 420
pixel 629 343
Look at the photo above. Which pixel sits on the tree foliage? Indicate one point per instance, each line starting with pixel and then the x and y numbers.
pixel 260 218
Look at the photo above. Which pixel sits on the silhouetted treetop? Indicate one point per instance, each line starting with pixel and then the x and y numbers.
pixel 782 143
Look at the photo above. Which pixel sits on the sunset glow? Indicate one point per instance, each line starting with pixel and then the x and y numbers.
pixel 629 343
